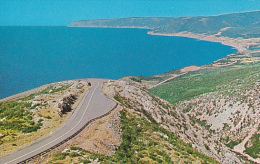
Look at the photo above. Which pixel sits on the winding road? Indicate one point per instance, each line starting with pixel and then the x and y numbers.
pixel 93 105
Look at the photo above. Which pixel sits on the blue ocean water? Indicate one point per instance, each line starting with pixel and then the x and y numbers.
pixel 34 56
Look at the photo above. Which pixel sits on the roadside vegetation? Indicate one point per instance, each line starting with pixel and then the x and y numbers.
pixel 16 118
pixel 143 142
pixel 29 118
pixel 48 90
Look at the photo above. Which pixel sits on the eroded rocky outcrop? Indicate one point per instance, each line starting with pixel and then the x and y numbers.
pixel 66 104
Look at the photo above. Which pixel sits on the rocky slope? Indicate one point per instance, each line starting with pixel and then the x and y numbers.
pixel 223 106
pixel 173 119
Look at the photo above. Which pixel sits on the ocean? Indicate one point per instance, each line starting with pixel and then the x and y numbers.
pixel 34 56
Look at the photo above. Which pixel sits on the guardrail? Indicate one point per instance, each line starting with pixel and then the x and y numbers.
pixel 69 138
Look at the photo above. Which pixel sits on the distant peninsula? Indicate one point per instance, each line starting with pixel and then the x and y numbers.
pixel 239 30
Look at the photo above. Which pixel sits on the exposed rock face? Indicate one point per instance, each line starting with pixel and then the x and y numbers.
pixel 66 103
pixel 227 121
pixel 174 120
pixel 35 103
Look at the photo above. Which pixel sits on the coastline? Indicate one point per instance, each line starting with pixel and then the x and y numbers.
pixel 42 87
pixel 239 43
pixel 236 44
pixel 21 94
pixel 133 27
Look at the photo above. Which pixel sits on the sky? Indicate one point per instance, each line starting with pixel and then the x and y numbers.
pixel 64 12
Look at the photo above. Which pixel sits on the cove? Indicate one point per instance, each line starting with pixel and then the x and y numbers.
pixel 34 56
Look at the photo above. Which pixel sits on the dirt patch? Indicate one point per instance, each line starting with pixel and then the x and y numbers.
pixel 190 69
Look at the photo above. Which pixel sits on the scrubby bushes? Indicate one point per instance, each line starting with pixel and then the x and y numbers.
pixel 16 118
pixel 254 150
pixel 145 142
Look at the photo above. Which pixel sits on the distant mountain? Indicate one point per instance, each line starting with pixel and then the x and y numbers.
pixel 245 25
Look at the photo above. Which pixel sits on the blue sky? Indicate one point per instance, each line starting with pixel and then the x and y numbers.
pixel 64 12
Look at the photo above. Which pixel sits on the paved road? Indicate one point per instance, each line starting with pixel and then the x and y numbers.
pixel 171 78
pixel 94 104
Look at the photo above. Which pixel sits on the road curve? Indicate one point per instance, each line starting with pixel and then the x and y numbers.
pixel 93 105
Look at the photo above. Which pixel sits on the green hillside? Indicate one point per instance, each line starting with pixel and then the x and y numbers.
pixel 205 81
pixel 224 101
pixel 241 23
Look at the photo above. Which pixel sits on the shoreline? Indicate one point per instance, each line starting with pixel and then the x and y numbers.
pixel 42 87
pixel 210 38
pixel 236 44
pixel 21 94
pixel 129 27
pixel 239 44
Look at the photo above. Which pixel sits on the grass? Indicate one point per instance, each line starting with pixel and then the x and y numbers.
pixel 48 90
pixel 16 118
pixel 232 144
pixel 205 81
pixel 60 156
pixel 254 150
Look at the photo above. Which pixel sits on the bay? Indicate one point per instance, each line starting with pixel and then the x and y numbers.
pixel 34 56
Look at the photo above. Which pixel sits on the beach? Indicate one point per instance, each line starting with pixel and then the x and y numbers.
pixel 239 43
